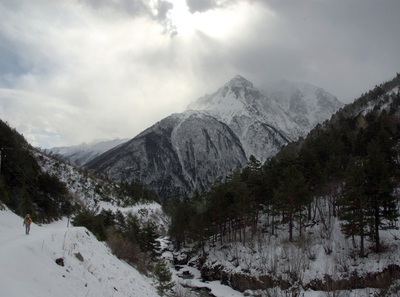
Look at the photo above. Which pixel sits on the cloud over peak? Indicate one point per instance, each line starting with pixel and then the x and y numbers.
pixel 84 69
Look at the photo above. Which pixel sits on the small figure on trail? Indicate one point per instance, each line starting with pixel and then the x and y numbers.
pixel 27 223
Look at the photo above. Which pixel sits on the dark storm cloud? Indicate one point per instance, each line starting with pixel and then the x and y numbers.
pixel 205 5
pixel 10 65
pixel 163 7
pixel 200 5
pixel 131 7
pixel 134 8
pixel 344 46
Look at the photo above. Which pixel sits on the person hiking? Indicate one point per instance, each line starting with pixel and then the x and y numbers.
pixel 27 223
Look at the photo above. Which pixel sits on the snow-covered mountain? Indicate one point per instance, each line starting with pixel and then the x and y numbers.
pixel 215 135
pixel 264 123
pixel 176 155
pixel 83 153
pixel 305 104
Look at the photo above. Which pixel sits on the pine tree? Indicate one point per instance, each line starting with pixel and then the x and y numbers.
pixel 163 276
pixel 148 239
pixel 379 187
pixel 293 196
pixel 180 222
pixel 354 213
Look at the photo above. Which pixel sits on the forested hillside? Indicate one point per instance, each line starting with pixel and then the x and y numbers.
pixel 48 188
pixel 24 187
pixel 345 173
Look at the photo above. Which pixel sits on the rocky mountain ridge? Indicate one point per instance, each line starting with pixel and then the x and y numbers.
pixel 217 134
pixel 85 152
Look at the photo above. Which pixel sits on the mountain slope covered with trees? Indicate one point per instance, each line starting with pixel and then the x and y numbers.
pixel 24 187
pixel 341 181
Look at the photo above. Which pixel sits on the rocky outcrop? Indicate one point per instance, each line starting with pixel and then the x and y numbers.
pixel 243 282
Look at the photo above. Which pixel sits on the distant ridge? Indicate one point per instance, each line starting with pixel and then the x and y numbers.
pixel 84 153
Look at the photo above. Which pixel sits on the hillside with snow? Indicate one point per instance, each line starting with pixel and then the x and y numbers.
pixel 95 192
pixel 321 218
pixel 28 263
pixel 320 264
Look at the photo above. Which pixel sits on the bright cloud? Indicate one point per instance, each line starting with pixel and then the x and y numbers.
pixel 76 70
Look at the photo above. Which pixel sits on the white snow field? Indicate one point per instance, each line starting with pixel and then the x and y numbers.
pixel 28 267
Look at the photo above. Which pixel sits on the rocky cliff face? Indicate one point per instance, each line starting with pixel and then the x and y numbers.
pixel 217 134
pixel 180 153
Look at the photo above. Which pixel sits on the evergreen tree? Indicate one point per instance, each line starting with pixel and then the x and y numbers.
pixel 180 222
pixel 354 213
pixel 94 223
pixel 148 239
pixel 379 187
pixel 163 276
pixel 293 196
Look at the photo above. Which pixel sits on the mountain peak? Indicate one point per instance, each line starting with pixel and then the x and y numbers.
pixel 239 82
pixel 230 98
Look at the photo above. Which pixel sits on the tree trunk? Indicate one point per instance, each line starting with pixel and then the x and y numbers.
pixel 290 226
pixel 362 246
pixel 377 243
pixel 300 225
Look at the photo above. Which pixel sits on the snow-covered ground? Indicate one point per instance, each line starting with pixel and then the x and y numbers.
pixel 322 251
pixel 28 267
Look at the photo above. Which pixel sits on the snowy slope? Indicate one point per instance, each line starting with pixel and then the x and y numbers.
pixel 264 121
pixel 28 267
pixel 306 104
pixel 94 192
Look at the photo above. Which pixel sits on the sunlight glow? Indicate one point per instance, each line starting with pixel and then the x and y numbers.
pixel 217 22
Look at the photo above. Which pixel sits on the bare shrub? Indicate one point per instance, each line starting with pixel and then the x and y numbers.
pixel 296 263
pixel 129 252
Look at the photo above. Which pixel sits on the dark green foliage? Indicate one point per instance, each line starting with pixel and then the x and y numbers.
pixel 292 196
pixel 133 193
pixel 108 218
pixel 163 276
pixel 131 240
pixel 379 188
pixel 354 212
pixel 144 235
pixel 148 239
pixel 23 186
pixel 93 222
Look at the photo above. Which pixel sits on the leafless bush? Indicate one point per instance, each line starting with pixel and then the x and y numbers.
pixel 129 252
pixel 296 262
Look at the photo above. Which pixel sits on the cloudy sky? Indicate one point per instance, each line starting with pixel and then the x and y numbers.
pixel 72 71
